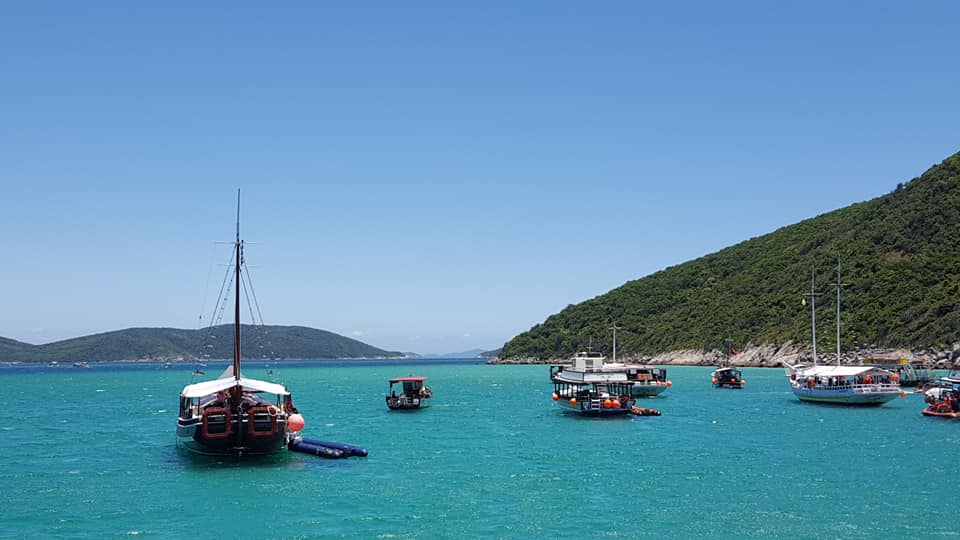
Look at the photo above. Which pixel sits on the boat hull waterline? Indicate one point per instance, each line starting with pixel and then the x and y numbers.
pixel 189 437
pixel 873 396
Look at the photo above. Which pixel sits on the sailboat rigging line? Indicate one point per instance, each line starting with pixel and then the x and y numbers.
pixel 206 286
pixel 256 317
pixel 246 294
pixel 227 279
pixel 218 310
pixel 253 292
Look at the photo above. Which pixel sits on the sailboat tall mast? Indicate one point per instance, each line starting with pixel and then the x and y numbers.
pixel 813 311
pixel 236 307
pixel 838 311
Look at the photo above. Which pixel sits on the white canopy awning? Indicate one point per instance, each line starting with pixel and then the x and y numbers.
pixel 839 371
pixel 207 388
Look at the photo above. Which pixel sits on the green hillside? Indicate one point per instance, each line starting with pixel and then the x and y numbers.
pixel 165 343
pixel 900 256
pixel 10 346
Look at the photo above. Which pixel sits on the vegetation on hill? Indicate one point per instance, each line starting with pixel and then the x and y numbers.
pixel 900 262
pixel 9 346
pixel 267 342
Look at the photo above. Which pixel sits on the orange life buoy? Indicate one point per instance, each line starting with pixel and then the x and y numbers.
pixel 227 421
pixel 252 423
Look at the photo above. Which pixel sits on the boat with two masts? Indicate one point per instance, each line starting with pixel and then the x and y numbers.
pixel 234 414
pixel 841 385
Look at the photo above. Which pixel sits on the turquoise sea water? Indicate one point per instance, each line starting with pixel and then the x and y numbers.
pixel 90 453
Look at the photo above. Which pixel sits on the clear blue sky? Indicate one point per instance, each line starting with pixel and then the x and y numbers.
pixel 436 176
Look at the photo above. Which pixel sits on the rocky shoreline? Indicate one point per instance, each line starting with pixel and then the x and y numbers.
pixel 771 356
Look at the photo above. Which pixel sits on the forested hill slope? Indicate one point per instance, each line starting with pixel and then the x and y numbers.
pixel 900 257
pixel 257 342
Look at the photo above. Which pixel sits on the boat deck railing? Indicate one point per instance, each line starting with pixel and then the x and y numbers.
pixel 857 388
pixel 875 388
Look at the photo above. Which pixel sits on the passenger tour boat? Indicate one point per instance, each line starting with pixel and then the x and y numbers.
pixel 646 381
pixel 842 385
pixel 586 388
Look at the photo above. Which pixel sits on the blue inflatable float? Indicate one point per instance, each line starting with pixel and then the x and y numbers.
pixel 326 449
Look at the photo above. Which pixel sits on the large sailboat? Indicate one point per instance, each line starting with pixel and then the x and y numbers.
pixel 234 414
pixel 842 385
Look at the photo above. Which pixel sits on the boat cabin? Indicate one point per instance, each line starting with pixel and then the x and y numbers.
pixel 594 399
pixel 644 374
pixel 727 377
pixel 909 373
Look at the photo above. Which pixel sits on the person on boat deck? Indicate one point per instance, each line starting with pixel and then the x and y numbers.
pixel 288 404
pixel 955 402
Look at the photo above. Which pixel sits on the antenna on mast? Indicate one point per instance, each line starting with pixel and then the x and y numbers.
pixel 615 328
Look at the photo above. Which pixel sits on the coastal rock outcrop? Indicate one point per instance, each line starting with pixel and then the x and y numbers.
pixel 768 355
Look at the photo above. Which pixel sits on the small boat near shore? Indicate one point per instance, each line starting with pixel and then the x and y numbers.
pixel 413 394
pixel 943 409
pixel 648 381
pixel 911 373
pixel 943 399
pixel 727 377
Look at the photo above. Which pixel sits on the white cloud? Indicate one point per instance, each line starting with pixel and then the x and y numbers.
pixel 358 333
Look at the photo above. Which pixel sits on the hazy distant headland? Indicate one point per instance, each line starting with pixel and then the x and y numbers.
pixel 173 344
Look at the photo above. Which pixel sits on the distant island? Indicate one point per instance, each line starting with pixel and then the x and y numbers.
pixel 173 344
pixel 899 255
pixel 472 353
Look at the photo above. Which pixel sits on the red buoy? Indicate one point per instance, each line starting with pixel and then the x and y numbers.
pixel 295 422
